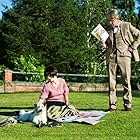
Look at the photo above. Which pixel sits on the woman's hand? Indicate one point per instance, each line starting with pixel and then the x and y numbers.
pixel 66 99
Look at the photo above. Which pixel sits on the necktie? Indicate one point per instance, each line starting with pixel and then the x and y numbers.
pixel 114 43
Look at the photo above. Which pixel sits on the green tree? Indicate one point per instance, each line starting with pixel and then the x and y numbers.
pixel 30 65
pixel 54 32
pixel 96 13
pixel 16 34
pixel 127 10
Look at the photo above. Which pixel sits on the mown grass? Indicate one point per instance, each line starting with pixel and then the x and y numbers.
pixel 119 125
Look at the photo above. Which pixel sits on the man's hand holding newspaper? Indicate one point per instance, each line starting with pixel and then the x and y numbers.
pixel 101 34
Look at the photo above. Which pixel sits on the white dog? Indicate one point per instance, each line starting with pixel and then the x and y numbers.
pixel 38 115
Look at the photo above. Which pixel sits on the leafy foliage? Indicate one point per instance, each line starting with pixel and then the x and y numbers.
pixel 29 64
pixel 57 33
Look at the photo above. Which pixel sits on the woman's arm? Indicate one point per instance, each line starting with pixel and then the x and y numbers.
pixel 44 94
pixel 66 99
pixel 65 93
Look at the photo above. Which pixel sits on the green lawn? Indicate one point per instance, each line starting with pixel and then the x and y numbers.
pixel 119 125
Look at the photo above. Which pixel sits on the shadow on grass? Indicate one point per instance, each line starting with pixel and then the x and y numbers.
pixel 7 113
pixel 16 108
pixel 12 113
pixel 18 93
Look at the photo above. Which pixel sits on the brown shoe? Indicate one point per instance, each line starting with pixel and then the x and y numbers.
pixel 127 109
pixel 111 109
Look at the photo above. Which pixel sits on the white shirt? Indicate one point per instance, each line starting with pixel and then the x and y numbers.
pixel 116 28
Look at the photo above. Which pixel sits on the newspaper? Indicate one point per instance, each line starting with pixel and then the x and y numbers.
pixel 100 33
pixel 89 117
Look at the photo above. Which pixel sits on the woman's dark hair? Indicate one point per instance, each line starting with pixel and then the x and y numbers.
pixel 50 71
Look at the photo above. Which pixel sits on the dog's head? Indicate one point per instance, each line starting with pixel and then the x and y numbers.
pixel 38 107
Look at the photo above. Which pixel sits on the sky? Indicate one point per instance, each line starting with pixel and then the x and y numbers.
pixel 4 2
pixel 8 3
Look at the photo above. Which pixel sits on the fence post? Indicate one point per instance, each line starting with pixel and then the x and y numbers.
pixel 7 80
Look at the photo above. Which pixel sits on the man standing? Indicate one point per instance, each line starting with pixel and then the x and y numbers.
pixel 121 48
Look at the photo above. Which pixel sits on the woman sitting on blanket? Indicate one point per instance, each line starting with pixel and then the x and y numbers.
pixel 55 95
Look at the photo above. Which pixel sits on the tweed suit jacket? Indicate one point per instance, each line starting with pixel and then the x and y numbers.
pixel 130 36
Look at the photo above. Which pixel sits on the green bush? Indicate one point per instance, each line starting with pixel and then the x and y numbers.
pixel 30 67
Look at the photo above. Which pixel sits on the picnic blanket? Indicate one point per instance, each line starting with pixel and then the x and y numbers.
pixel 89 117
